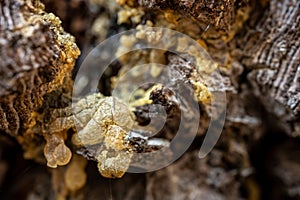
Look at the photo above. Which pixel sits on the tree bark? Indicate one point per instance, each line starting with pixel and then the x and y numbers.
pixel 257 48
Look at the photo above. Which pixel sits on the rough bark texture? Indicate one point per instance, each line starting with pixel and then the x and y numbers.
pixel 34 60
pixel 272 53
pixel 220 14
pixel 257 48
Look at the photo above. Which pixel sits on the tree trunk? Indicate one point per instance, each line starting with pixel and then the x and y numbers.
pixel 256 47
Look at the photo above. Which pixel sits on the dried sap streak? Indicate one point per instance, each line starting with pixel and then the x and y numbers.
pixel 106 121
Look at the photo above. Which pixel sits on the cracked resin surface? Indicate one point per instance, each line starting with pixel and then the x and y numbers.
pixel 105 121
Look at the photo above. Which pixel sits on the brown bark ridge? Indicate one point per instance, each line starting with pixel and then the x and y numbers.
pixel 35 55
pixel 220 14
pixel 272 53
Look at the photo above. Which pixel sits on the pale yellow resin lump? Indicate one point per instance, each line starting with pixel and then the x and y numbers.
pixel 55 151
pixel 75 176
